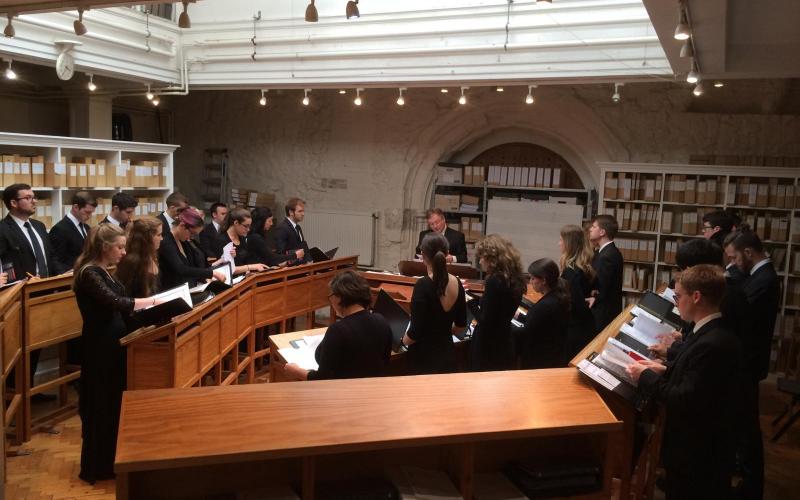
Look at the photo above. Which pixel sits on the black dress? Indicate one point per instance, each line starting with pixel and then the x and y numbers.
pixel 542 339
pixel 358 345
pixel 432 329
pixel 103 306
pixel 176 268
pixel 581 327
pixel 261 253
pixel 243 254
pixel 492 346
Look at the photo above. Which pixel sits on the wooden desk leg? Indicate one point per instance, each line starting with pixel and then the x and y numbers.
pixel 615 447
pixel 463 463
pixel 62 371
pixel 251 353
pixel 123 486
pixel 25 390
pixel 307 481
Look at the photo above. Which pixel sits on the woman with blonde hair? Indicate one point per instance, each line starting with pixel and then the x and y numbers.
pixel 577 271
pixel 138 270
pixel 492 344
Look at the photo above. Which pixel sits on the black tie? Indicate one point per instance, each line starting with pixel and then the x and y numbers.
pixel 299 232
pixel 83 231
pixel 37 251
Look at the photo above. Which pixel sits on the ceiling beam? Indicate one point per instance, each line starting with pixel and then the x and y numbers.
pixel 17 7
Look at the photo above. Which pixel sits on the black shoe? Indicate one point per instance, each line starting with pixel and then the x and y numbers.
pixel 43 398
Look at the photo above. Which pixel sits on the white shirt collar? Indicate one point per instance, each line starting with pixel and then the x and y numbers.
pixel 113 220
pixel 169 219
pixel 216 226
pixel 293 223
pixel 20 222
pixel 700 324
pixel 759 265
pixel 604 245
pixel 75 221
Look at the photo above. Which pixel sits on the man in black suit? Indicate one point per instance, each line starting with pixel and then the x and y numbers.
pixel 700 391
pixel 210 233
pixel 717 225
pixel 25 249
pixel 68 235
pixel 606 301
pixel 122 207
pixel 438 224
pixel 289 239
pixel 762 289
pixel 176 203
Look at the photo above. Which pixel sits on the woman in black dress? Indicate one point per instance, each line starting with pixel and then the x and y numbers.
pixel 577 271
pixel 234 230
pixel 138 270
pixel 176 260
pixel 542 339
pixel 257 241
pixel 104 305
pixel 358 345
pixel 437 303
pixel 492 344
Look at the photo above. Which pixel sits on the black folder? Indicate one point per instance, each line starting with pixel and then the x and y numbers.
pixel 661 308
pixel 318 255
pixel 395 315
pixel 162 313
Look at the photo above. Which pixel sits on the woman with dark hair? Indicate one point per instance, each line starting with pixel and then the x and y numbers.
pixel 176 260
pixel 104 305
pixel 358 345
pixel 437 303
pixel 492 344
pixel 234 230
pixel 542 340
pixel 577 271
pixel 257 240
pixel 138 270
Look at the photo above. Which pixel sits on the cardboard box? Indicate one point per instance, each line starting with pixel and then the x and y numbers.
pixel 37 171
pixel 449 175
pixel 55 174
pixel 155 178
pixel 467 199
pixel 72 175
pixel 24 175
pixel 447 202
pixel 101 178
pixel 8 170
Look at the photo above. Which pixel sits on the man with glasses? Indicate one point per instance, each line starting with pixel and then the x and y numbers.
pixel 717 225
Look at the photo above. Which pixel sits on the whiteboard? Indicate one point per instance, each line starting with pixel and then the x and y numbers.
pixel 533 227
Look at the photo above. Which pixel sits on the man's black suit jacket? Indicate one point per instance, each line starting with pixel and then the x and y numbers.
pixel 763 290
pixel 16 249
pixel 67 241
pixel 607 265
pixel 701 391
pixel 287 241
pixel 208 241
pixel 456 241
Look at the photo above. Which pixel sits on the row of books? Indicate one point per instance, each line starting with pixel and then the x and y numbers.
pixel 795 264
pixel 636 277
pixel 694 189
pixel 633 186
pixel 793 293
pixel 81 172
pixel 684 222
pixel 768 226
pixel 633 217
pixel 251 199
pixel 636 249
pixel 771 192
pixel 544 177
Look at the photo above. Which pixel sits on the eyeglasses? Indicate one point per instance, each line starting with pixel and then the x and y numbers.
pixel 246 226
pixel 28 198
pixel 707 228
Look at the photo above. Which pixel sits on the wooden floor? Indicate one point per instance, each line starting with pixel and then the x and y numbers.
pixel 51 469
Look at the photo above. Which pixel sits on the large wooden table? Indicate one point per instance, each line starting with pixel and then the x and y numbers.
pixel 173 443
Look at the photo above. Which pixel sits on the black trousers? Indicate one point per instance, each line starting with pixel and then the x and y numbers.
pixel 750 449
pixel 703 485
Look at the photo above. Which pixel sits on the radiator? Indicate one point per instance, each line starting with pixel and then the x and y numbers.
pixel 352 232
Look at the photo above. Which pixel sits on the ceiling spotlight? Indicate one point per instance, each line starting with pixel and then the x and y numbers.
pixel 698 89
pixel 312 15
pixel 342 91
pixel 351 11
pixel 682 31
pixel 544 1
pixel 463 99
pixel 443 91
pixel 529 97
pixel 400 100
pixel 183 19
pixel 10 72
pixel 9 31
pixel 306 100
pixel 357 101
pixel 688 48
pixel 91 85
pixel 616 97
pixel 149 93
pixel 156 100
pixel 263 100
pixel 719 84
pixel 78 26
pixel 694 74
pixel 499 89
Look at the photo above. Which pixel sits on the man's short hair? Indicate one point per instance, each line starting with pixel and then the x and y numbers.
pixel 176 198
pixel 216 205
pixel 707 279
pixel 744 238
pixel 83 198
pixel 719 218
pixel 699 251
pixel 11 193
pixel 608 224
pixel 431 211
pixel 124 201
pixel 291 205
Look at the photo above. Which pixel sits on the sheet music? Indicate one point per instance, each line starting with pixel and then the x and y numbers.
pixel 303 356
pixel 598 374
pixel 669 294
pixel 180 292
pixel 226 253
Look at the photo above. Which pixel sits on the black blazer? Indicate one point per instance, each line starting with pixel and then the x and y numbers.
pixel 542 341
pixel 176 269
pixel 456 240
pixel 208 241
pixel 17 251
pixel 287 241
pixel 261 253
pixel 763 291
pixel 734 275
pixel 164 224
pixel 67 241
pixel 701 391
pixel 608 302
pixel 106 221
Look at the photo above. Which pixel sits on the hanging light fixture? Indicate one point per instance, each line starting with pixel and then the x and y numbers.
pixel 91 85
pixel 9 31
pixel 687 50
pixel 616 97
pixel 682 31
pixel 529 97
pixel 10 72
pixel 698 89
pixel 351 10
pixel 149 93
pixel 357 101
pixel 694 74
pixel 306 100
pixel 342 91
pixel 499 89
pixel 156 100
pixel 463 99
pixel 400 100
pixel 719 84
pixel 78 26
pixel 263 100
pixel 183 19
pixel 443 91
pixel 312 15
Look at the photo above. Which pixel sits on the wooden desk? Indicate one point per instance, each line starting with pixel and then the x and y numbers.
pixel 12 362
pixel 175 443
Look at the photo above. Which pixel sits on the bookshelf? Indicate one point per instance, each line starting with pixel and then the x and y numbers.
pixel 660 206
pixel 57 167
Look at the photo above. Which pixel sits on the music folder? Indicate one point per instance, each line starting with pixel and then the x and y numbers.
pixel 215 286
pixel 177 301
pixel 318 255
pixel 395 315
